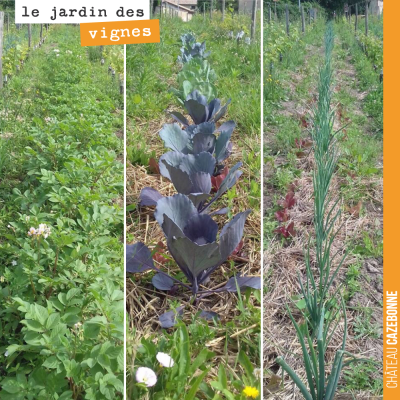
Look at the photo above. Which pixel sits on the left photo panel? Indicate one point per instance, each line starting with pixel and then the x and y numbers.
pixel 61 213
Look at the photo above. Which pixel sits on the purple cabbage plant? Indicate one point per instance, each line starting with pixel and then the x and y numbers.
pixel 191 176
pixel 200 110
pixel 200 138
pixel 191 49
pixel 197 155
pixel 192 240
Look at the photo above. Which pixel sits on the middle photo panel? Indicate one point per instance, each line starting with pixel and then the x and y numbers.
pixel 193 268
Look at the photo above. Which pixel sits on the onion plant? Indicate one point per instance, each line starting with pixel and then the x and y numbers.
pixel 323 311
pixel 322 386
pixel 326 212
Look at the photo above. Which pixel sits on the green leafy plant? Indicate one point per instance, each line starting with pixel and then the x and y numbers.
pixel 195 75
pixel 180 378
pixel 61 320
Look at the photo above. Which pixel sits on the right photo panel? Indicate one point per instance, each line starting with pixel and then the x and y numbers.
pixel 323 200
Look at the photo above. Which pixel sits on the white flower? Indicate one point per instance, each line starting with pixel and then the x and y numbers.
pixel 69 52
pixel 56 50
pixel 14 263
pixel 6 354
pixel 27 218
pixel 43 230
pixel 9 226
pixel 57 55
pixel 257 373
pixel 78 325
pixel 47 119
pixel 32 231
pixel 147 376
pixel 165 360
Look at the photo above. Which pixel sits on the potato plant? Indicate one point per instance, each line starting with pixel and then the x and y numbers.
pixel 61 274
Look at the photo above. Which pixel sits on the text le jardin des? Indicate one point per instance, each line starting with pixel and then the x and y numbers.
pixel 83 12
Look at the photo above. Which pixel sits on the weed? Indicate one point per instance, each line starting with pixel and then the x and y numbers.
pixel 363 377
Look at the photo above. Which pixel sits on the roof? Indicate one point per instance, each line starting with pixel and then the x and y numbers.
pixel 185 2
pixel 182 6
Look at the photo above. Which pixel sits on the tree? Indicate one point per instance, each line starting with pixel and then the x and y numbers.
pixel 218 4
pixel 329 5
pixel 7 5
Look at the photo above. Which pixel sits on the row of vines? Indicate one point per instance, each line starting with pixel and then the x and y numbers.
pixel 17 45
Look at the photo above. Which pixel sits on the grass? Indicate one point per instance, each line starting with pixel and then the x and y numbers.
pixel 363 377
pixel 367 77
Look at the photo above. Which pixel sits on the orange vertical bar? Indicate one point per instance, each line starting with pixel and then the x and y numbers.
pixel 391 215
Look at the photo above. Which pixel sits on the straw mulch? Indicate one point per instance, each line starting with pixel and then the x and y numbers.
pixel 144 303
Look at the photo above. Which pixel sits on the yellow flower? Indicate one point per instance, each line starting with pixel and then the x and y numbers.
pixel 251 392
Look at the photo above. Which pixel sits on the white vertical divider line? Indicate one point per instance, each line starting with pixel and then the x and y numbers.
pixel 125 322
pixel 262 198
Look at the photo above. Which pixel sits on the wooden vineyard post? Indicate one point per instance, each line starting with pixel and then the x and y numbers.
pixel 309 16
pixel 204 11
pixel 8 22
pixel 366 18
pixel 269 13
pixel 356 23
pixel 287 20
pixel 223 10
pixel 211 8
pixel 121 85
pixel 29 35
pixel 303 21
pixel 160 9
pixel 41 31
pixel 1 47
pixel 276 15
pixel 253 19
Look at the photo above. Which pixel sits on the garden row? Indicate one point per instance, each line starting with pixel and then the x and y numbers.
pixel 323 309
pixel 290 203
pixel 61 260
pixel 213 179
pixel 367 53
pixel 195 166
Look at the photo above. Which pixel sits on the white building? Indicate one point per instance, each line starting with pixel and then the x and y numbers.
pixel 246 6
pixel 376 7
pixel 185 9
